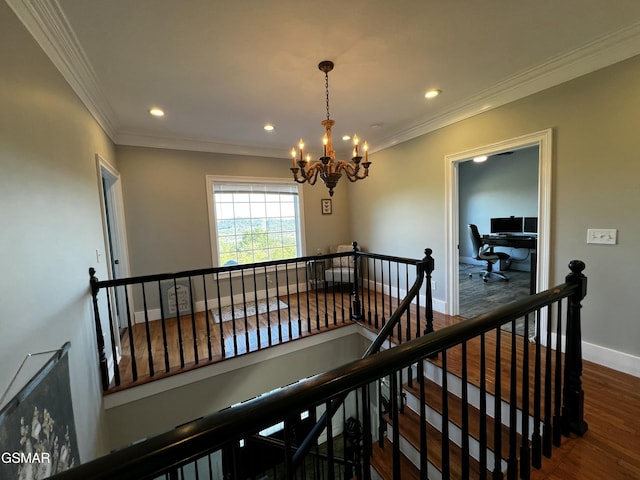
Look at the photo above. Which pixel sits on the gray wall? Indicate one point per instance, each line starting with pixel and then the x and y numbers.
pixel 50 222
pixel 595 184
pixel 503 186
pixel 165 199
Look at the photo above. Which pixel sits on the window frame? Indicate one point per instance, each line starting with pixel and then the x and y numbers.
pixel 211 180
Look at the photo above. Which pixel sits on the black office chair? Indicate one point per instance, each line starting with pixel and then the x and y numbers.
pixel 485 253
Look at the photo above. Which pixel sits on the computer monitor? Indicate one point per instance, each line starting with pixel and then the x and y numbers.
pixel 530 225
pixel 506 225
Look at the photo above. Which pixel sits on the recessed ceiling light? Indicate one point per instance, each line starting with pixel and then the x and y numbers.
pixel 346 137
pixel 432 93
pixel 480 159
pixel 156 112
pixel 269 128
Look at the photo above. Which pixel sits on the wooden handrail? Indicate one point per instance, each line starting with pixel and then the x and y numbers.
pixel 159 454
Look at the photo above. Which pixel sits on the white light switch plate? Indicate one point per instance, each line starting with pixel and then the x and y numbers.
pixel 608 236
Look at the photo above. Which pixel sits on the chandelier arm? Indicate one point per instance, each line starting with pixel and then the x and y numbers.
pixel 352 171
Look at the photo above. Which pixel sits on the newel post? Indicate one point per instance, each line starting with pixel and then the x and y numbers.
pixel 573 395
pixel 356 313
pixel 428 264
pixel 104 372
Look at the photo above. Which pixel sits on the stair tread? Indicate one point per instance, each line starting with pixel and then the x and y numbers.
pixel 433 392
pixel 382 461
pixel 409 422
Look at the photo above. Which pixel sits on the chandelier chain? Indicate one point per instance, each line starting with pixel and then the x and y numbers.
pixel 326 88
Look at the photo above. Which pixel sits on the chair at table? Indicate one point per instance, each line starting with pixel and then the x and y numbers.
pixel 485 253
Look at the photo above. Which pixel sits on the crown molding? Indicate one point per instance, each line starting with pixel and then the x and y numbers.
pixel 46 22
pixel 600 53
pixel 152 141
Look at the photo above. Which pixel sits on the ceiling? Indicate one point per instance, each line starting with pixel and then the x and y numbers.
pixel 222 69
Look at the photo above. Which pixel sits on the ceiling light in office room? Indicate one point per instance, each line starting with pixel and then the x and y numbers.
pixel 269 127
pixel 432 93
pixel 156 112
pixel 480 159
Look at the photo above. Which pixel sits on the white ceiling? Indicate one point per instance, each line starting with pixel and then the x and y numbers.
pixel 222 69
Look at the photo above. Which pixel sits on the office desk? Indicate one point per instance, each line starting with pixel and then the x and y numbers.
pixel 517 241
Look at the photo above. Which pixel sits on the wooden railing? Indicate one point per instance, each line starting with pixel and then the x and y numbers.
pixel 543 401
pixel 164 324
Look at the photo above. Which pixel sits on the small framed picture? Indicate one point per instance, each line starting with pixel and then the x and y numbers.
pixel 326 206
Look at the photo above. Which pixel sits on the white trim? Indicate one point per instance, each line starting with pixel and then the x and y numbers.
pixel 154 314
pixel 544 140
pixel 211 179
pixel 46 22
pixel 621 361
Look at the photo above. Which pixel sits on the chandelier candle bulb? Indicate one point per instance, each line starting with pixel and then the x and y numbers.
pixel 301 145
pixel 325 140
pixel 365 147
pixel 293 154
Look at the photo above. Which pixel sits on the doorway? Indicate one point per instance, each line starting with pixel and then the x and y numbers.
pixel 543 140
pixel 113 224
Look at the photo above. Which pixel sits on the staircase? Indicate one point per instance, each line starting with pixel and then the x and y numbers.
pixel 408 431
pixel 477 377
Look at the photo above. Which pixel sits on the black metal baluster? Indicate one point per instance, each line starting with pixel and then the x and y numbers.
pixel 132 345
pixel 424 459
pixel 245 313
pixel 368 283
pixel 408 316
pixel 512 462
pixel 298 299
pixel 306 279
pixel 281 338
pixel 114 353
pixel 465 414
pixel 147 331
pixel 255 300
pixel 233 317
pixel 525 449
pixel 164 329
pixel 399 329
pixel 375 295
pixel 482 440
pixel 178 323
pixel 394 412
pixel 547 429
pixel 497 411
pixel 557 418
pixel 363 463
pixel 286 276
pixel 220 322
pixel 266 284
pixel 206 316
pixel 330 449
pixel 444 428
pixel 536 439
pixel 193 323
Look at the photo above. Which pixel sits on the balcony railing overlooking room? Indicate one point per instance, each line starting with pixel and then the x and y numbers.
pixel 481 402
pixel 164 324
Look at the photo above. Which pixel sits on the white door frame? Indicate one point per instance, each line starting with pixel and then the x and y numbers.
pixel 544 141
pixel 113 196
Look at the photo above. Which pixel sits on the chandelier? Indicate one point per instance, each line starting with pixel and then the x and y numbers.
pixel 327 167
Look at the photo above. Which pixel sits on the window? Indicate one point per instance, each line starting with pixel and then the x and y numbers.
pixel 254 220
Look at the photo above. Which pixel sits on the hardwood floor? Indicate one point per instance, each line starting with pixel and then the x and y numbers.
pixel 610 448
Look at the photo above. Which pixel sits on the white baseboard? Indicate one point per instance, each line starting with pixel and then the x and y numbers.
pixel 614 359
pixel 211 304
